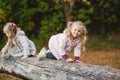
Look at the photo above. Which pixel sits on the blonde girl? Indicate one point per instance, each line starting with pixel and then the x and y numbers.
pixel 18 44
pixel 73 37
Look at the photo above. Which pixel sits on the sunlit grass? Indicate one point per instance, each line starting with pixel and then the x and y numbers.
pixel 7 77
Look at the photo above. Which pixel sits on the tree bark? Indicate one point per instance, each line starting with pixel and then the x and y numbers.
pixel 68 5
pixel 47 69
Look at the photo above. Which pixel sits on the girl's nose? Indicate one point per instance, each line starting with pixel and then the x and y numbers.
pixel 76 31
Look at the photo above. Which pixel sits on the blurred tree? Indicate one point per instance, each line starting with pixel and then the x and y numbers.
pixel 105 15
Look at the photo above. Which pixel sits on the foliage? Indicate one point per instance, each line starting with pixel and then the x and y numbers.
pixel 41 19
pixel 103 43
pixel 105 15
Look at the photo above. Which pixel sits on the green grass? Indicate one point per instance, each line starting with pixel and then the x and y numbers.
pixel 4 76
pixel 102 43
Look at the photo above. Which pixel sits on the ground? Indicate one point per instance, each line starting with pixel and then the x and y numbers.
pixel 102 57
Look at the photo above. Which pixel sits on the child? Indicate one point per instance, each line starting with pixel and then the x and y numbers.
pixel 18 44
pixel 73 37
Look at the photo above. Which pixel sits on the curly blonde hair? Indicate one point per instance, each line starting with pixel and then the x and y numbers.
pixel 10 29
pixel 82 36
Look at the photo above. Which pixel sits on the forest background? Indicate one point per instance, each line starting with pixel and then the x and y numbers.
pixel 41 19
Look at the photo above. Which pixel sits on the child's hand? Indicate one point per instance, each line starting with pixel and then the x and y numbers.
pixel 24 57
pixel 78 61
pixel 70 60
pixel 3 55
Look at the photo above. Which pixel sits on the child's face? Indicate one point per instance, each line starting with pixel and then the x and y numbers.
pixel 75 31
pixel 7 33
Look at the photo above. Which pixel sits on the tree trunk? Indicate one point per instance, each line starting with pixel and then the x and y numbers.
pixel 33 69
pixel 68 5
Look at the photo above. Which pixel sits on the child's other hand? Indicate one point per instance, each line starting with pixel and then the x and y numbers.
pixel 24 57
pixel 70 60
pixel 3 55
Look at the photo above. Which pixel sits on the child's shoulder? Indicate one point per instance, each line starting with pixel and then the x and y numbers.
pixel 62 34
pixel 20 32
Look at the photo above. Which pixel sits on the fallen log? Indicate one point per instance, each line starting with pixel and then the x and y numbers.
pixel 33 69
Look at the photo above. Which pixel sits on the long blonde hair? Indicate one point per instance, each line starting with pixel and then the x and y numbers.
pixel 82 36
pixel 11 29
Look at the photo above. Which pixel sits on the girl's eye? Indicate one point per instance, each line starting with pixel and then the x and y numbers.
pixel 75 29
pixel 79 31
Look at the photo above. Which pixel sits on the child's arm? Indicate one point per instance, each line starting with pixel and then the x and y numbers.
pixel 62 51
pixel 2 55
pixel 24 57
pixel 65 57
pixel 25 45
pixel 77 52
pixel 4 50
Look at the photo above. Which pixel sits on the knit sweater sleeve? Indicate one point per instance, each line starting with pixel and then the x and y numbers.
pixel 62 45
pixel 77 50
pixel 25 45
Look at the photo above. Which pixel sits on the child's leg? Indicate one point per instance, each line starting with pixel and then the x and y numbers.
pixel 51 56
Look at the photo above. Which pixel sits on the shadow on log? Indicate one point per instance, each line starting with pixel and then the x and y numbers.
pixel 32 69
